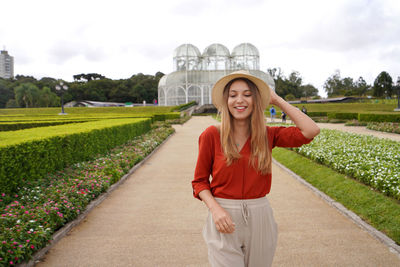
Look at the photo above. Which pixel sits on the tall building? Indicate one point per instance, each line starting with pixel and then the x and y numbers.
pixel 6 65
pixel 195 74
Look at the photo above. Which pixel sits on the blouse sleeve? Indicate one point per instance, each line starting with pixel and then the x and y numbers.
pixel 204 164
pixel 287 137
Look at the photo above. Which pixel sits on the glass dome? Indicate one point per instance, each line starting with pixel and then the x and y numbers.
pixel 195 82
pixel 245 56
pixel 186 57
pixel 216 57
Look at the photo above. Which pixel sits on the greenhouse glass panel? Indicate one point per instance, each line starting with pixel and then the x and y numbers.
pixel 195 74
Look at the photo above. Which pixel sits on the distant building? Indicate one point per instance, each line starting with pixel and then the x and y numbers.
pixel 92 104
pixel 194 74
pixel 6 65
pixel 98 104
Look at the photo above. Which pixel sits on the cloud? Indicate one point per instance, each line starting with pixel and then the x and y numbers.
pixel 353 26
pixel 63 51
pixel 190 8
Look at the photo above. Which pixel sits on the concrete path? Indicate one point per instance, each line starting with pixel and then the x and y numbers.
pixel 153 220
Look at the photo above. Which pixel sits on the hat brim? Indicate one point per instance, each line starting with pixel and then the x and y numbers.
pixel 219 86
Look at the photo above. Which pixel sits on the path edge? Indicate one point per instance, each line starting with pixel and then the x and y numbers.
pixel 62 232
pixel 380 236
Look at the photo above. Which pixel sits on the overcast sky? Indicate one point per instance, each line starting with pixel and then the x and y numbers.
pixel 120 38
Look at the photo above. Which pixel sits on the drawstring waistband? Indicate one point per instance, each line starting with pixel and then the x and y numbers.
pixel 245 205
pixel 245 212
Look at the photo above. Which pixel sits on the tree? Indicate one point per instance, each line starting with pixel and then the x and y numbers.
pixel 27 94
pixel 46 82
pixel 361 87
pixel 11 103
pixel 159 75
pixel 88 77
pixel 309 90
pixel 5 93
pixel 293 84
pixel 347 88
pixel 383 85
pixel 333 84
pixel 48 98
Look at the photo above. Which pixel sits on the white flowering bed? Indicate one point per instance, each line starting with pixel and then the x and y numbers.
pixel 373 161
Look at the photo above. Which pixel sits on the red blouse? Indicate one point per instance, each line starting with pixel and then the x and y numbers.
pixel 239 180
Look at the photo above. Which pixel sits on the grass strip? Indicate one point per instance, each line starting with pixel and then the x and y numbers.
pixel 378 210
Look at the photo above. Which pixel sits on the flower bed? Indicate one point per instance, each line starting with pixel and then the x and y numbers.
pixel 28 219
pixel 390 127
pixel 371 160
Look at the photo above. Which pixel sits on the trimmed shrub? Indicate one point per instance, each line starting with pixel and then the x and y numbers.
pixel 342 115
pixel 373 117
pixel 317 114
pixel 28 155
pixel 166 116
pixel 184 106
pixel 33 124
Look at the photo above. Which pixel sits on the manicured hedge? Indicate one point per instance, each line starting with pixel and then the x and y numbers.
pixel 317 114
pixel 185 106
pixel 342 115
pixel 373 117
pixel 166 116
pixel 13 126
pixel 156 116
pixel 86 110
pixel 30 154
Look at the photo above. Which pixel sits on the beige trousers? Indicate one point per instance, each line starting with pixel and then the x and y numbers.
pixel 254 241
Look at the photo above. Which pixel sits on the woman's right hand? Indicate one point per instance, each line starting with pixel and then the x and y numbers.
pixel 223 220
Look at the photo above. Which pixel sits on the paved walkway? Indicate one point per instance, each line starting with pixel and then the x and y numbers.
pixel 153 220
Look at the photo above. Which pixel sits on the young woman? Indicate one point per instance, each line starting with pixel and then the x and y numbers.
pixel 240 228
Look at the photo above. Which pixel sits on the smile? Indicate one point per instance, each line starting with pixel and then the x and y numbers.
pixel 241 108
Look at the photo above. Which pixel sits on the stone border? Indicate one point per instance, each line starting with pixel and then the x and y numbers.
pixel 393 247
pixel 57 236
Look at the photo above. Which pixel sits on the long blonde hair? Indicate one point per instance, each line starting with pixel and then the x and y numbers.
pixel 260 154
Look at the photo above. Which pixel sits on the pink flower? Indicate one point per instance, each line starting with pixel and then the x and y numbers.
pixel 27 241
pixel 11 262
pixel 3 195
pixel 32 246
pixel 26 212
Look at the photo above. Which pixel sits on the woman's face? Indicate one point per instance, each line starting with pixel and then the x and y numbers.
pixel 240 100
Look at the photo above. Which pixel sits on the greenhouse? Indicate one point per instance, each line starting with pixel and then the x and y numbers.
pixel 195 74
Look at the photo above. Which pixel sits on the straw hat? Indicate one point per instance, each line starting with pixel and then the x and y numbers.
pixel 218 89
